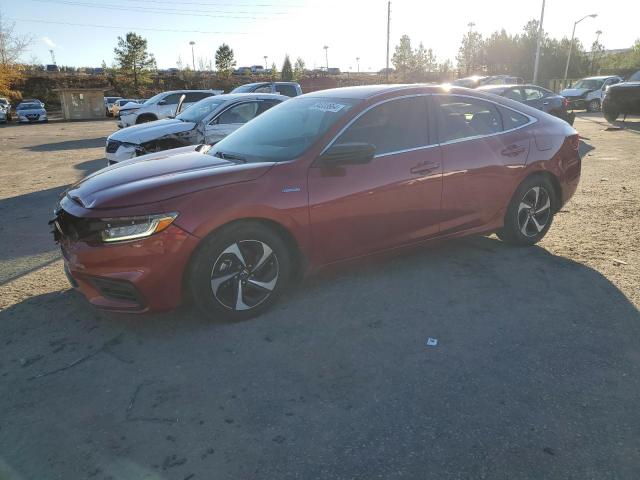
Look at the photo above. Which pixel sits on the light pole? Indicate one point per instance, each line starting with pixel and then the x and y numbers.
pixel 326 55
pixel 596 44
pixel 193 58
pixel 265 62
pixel 540 33
pixel 358 62
pixel 470 25
pixel 566 70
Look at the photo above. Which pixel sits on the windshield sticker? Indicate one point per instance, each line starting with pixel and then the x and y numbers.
pixel 328 107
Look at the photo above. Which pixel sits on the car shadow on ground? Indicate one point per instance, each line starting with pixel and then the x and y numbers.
pixel 534 375
pixel 69 145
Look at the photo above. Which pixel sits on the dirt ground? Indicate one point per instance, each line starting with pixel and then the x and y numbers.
pixel 535 374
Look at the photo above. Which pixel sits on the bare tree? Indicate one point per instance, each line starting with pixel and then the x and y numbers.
pixel 12 45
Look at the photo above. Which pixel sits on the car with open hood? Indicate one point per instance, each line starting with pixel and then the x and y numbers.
pixel 586 94
pixel 205 122
pixel 322 178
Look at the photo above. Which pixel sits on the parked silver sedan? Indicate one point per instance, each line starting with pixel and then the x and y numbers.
pixel 205 122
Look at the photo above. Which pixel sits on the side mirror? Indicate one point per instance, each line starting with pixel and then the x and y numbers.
pixel 347 154
pixel 162 102
pixel 180 102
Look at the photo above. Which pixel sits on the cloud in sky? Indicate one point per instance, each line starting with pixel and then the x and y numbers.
pixel 49 42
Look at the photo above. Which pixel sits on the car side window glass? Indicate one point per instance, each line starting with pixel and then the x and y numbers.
pixel 172 99
pixel 240 113
pixel 464 117
pixel 265 105
pixel 512 119
pixel 391 126
pixel 288 90
pixel 263 89
pixel 532 94
pixel 192 97
pixel 513 94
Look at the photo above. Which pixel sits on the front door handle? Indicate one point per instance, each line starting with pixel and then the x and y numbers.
pixel 513 151
pixel 424 168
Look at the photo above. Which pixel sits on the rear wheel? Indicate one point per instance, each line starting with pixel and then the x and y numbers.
pixel 530 212
pixel 240 271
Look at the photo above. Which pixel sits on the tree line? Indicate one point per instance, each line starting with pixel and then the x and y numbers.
pixel 503 53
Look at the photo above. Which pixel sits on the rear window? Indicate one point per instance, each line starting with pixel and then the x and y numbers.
pixel 464 117
pixel 288 90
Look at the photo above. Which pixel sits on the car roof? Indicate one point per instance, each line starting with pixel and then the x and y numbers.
pixel 601 77
pixel 190 90
pixel 259 96
pixel 368 91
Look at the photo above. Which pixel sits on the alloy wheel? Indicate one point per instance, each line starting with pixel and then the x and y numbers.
pixel 534 211
pixel 244 275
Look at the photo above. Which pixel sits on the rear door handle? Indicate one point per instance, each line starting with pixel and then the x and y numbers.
pixel 513 151
pixel 425 168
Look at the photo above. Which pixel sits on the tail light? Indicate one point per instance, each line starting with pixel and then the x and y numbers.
pixel 574 141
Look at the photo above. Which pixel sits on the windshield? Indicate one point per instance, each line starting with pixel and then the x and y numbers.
pixel 244 89
pixel 155 98
pixel 589 84
pixel 285 131
pixel 29 106
pixel 199 110
pixel 635 77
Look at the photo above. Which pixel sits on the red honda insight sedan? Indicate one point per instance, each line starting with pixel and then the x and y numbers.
pixel 321 178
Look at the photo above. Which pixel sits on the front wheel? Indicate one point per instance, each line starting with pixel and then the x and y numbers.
pixel 593 105
pixel 239 271
pixel 530 212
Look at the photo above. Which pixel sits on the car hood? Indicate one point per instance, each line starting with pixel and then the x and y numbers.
pixel 575 92
pixel 160 176
pixel 625 85
pixel 144 132
pixel 130 105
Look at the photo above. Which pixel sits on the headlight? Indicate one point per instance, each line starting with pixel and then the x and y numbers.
pixel 128 112
pixel 131 228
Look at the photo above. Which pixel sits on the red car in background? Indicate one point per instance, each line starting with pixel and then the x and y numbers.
pixel 321 178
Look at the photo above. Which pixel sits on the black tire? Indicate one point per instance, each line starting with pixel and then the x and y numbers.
pixel 593 105
pixel 145 119
pixel 521 224
pixel 611 115
pixel 215 257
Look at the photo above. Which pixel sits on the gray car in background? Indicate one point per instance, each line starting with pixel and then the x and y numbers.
pixel 289 89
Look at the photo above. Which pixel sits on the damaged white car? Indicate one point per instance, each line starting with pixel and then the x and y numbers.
pixel 205 122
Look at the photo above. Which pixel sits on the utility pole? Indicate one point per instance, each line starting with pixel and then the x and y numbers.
pixel 193 58
pixel 326 55
pixel 386 70
pixel 540 33
pixel 265 62
pixel 358 62
pixel 566 70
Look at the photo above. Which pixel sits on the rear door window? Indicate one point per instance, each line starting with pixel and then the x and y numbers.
pixel 512 119
pixel 532 93
pixel 513 94
pixel 465 117
pixel 392 126
pixel 192 97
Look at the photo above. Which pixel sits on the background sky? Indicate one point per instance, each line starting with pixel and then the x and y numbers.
pixel 298 27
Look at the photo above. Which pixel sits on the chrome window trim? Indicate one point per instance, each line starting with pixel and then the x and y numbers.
pixel 531 121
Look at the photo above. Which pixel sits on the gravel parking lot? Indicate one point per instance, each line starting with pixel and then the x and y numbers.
pixel 535 373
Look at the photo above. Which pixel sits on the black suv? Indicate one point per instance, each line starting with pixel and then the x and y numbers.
pixel 622 98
